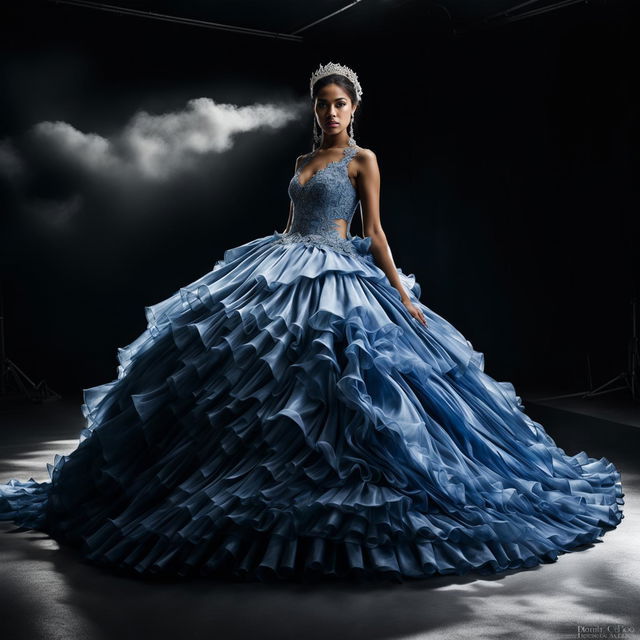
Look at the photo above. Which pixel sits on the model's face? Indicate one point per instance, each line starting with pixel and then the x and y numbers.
pixel 333 104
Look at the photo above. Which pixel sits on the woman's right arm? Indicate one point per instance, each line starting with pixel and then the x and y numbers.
pixel 290 219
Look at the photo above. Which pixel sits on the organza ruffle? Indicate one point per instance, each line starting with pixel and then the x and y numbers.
pixel 285 416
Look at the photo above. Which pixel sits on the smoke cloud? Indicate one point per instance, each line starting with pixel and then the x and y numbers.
pixel 149 150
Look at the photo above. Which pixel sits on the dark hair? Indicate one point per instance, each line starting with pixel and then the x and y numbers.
pixel 339 79
pixel 342 81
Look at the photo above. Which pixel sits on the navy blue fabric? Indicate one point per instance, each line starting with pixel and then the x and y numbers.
pixel 285 416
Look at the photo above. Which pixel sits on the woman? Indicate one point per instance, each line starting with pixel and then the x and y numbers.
pixel 298 412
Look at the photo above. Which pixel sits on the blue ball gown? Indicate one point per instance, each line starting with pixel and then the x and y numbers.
pixel 285 417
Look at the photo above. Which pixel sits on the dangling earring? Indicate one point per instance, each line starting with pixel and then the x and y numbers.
pixel 352 140
pixel 316 134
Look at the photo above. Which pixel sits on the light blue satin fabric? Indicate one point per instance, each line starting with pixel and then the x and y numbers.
pixel 285 416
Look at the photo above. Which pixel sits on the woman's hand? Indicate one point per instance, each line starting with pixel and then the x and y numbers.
pixel 414 311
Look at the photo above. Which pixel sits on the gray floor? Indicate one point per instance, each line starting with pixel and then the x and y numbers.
pixel 615 406
pixel 49 594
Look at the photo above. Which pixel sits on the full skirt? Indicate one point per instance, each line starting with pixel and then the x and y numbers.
pixel 285 417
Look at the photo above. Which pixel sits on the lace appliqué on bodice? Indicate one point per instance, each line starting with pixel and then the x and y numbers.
pixel 325 197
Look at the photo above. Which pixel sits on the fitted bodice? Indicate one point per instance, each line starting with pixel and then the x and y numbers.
pixel 325 197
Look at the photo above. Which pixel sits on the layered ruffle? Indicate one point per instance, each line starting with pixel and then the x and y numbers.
pixel 284 416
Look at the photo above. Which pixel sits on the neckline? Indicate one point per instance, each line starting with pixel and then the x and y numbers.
pixel 313 153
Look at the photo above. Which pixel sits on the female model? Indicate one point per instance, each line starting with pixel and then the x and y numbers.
pixel 298 412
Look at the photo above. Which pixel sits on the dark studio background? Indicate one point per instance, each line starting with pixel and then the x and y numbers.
pixel 508 158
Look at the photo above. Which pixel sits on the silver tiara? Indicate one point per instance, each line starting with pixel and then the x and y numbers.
pixel 332 67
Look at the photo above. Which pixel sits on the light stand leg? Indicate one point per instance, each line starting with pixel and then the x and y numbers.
pixel 11 372
pixel 630 377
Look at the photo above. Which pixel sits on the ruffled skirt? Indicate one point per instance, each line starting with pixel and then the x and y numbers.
pixel 284 417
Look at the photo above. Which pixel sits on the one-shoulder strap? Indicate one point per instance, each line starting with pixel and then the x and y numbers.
pixel 351 151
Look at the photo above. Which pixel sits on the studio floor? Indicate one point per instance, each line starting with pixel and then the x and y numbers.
pixel 49 594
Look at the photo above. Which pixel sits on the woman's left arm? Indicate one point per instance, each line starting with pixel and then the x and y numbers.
pixel 368 180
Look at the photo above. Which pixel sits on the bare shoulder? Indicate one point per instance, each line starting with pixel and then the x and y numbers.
pixel 366 162
pixel 366 154
pixel 366 158
pixel 299 159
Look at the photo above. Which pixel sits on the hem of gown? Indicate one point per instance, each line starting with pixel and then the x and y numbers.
pixel 265 557
pixel 242 553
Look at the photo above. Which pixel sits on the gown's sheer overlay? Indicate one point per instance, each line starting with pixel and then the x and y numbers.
pixel 285 416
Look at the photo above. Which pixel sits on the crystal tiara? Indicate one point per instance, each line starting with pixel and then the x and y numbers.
pixel 332 67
